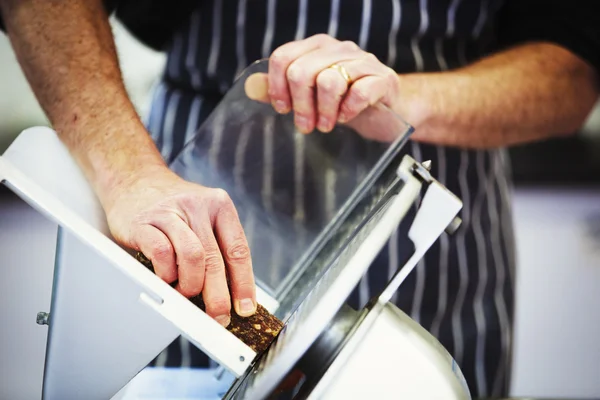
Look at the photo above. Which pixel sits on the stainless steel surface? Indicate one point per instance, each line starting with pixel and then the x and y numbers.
pixel 333 238
pixel 324 349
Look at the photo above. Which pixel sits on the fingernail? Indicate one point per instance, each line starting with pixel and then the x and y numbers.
pixel 223 320
pixel 281 107
pixel 342 118
pixel 246 307
pixel 323 124
pixel 302 124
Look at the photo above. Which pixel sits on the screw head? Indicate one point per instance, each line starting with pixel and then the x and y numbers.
pixel 42 318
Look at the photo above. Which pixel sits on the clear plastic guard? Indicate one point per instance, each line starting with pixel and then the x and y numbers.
pixel 292 191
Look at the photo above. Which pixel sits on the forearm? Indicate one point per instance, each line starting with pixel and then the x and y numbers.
pixel 528 93
pixel 67 53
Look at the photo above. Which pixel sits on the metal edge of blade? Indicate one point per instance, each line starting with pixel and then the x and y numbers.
pixel 404 201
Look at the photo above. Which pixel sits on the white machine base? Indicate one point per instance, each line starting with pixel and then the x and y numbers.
pixel 410 364
pixel 396 349
pixel 106 306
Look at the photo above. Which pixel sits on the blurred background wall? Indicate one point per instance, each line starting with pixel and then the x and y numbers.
pixel 19 108
pixel 557 217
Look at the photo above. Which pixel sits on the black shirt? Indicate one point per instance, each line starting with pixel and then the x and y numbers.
pixel 573 24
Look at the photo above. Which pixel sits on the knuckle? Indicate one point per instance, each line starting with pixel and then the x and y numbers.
pixel 162 249
pixel 222 197
pixel 280 57
pixel 187 201
pixel 325 84
pixel 371 57
pixel 238 252
pixel 295 74
pixel 213 264
pixel 322 38
pixel 194 254
pixel 349 45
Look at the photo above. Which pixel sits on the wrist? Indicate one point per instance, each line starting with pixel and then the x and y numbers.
pixel 116 185
pixel 128 167
pixel 419 102
pixel 114 155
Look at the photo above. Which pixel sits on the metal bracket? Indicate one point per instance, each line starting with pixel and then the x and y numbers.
pixel 421 171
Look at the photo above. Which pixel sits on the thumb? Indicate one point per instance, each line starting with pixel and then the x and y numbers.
pixel 257 87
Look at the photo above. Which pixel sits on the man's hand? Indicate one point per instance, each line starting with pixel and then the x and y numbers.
pixel 526 93
pixel 191 234
pixel 326 81
pixel 67 52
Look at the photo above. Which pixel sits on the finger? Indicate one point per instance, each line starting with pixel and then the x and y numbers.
pixel 384 90
pixel 302 79
pixel 189 251
pixel 331 88
pixel 279 62
pixel 216 294
pixel 362 94
pixel 365 65
pixel 332 85
pixel 257 87
pixel 158 249
pixel 235 249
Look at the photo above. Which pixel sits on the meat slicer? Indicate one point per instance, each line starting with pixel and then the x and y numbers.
pixel 317 210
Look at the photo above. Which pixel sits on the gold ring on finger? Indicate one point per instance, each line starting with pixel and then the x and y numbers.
pixel 342 72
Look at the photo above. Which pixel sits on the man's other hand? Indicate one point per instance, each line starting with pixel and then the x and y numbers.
pixel 191 234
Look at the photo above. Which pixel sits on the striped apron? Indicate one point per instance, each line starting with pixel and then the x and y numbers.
pixel 462 291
